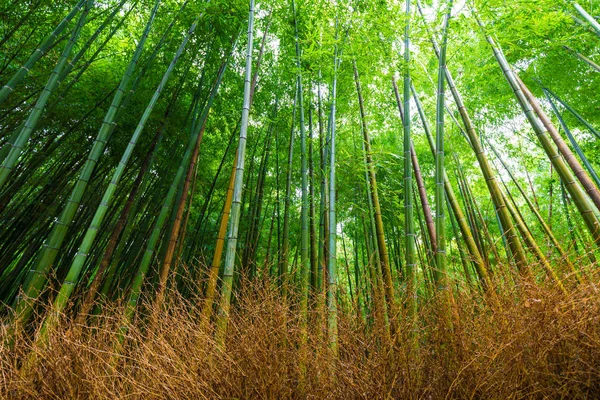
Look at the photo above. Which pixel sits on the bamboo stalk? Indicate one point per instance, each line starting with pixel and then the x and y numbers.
pixel 225 299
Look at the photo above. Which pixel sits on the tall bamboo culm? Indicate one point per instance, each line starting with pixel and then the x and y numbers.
pixel 409 224
pixel 226 290
pixel 440 217
pixel 586 208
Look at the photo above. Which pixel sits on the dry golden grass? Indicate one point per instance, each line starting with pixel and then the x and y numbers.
pixel 535 343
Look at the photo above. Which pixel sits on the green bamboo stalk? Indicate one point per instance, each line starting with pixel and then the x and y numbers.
pixel 284 254
pixel 409 224
pixel 472 248
pixel 304 256
pixel 332 318
pixel 584 205
pixel 545 227
pixel 440 217
pixel 543 128
pixel 374 194
pixel 16 149
pixel 574 143
pixel 323 203
pixel 225 299
pixel 588 17
pixel 586 182
pixel 9 87
pixel 575 113
pixel 253 233
pixel 583 58
pixel 37 276
pixel 314 263
pixel 517 251
pixel 168 202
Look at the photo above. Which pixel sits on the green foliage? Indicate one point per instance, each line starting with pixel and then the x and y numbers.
pixel 533 35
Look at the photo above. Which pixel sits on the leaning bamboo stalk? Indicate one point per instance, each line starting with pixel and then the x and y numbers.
pixel 545 227
pixel 472 248
pixel 585 59
pixel 9 87
pixel 588 17
pixel 168 202
pixel 373 191
pixel 49 252
pixel 590 188
pixel 12 159
pixel 191 168
pixel 419 179
pixel 517 251
pixel 584 205
pixel 574 143
pixel 575 113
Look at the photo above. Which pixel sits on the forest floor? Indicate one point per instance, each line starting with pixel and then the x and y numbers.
pixel 531 342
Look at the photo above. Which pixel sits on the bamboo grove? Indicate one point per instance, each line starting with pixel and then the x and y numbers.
pixel 362 157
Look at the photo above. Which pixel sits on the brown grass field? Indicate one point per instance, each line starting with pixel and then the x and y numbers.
pixel 533 343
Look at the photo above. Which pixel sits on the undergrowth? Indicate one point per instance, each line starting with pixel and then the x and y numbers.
pixel 532 342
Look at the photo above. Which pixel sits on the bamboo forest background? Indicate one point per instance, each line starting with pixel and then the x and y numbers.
pixel 356 194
